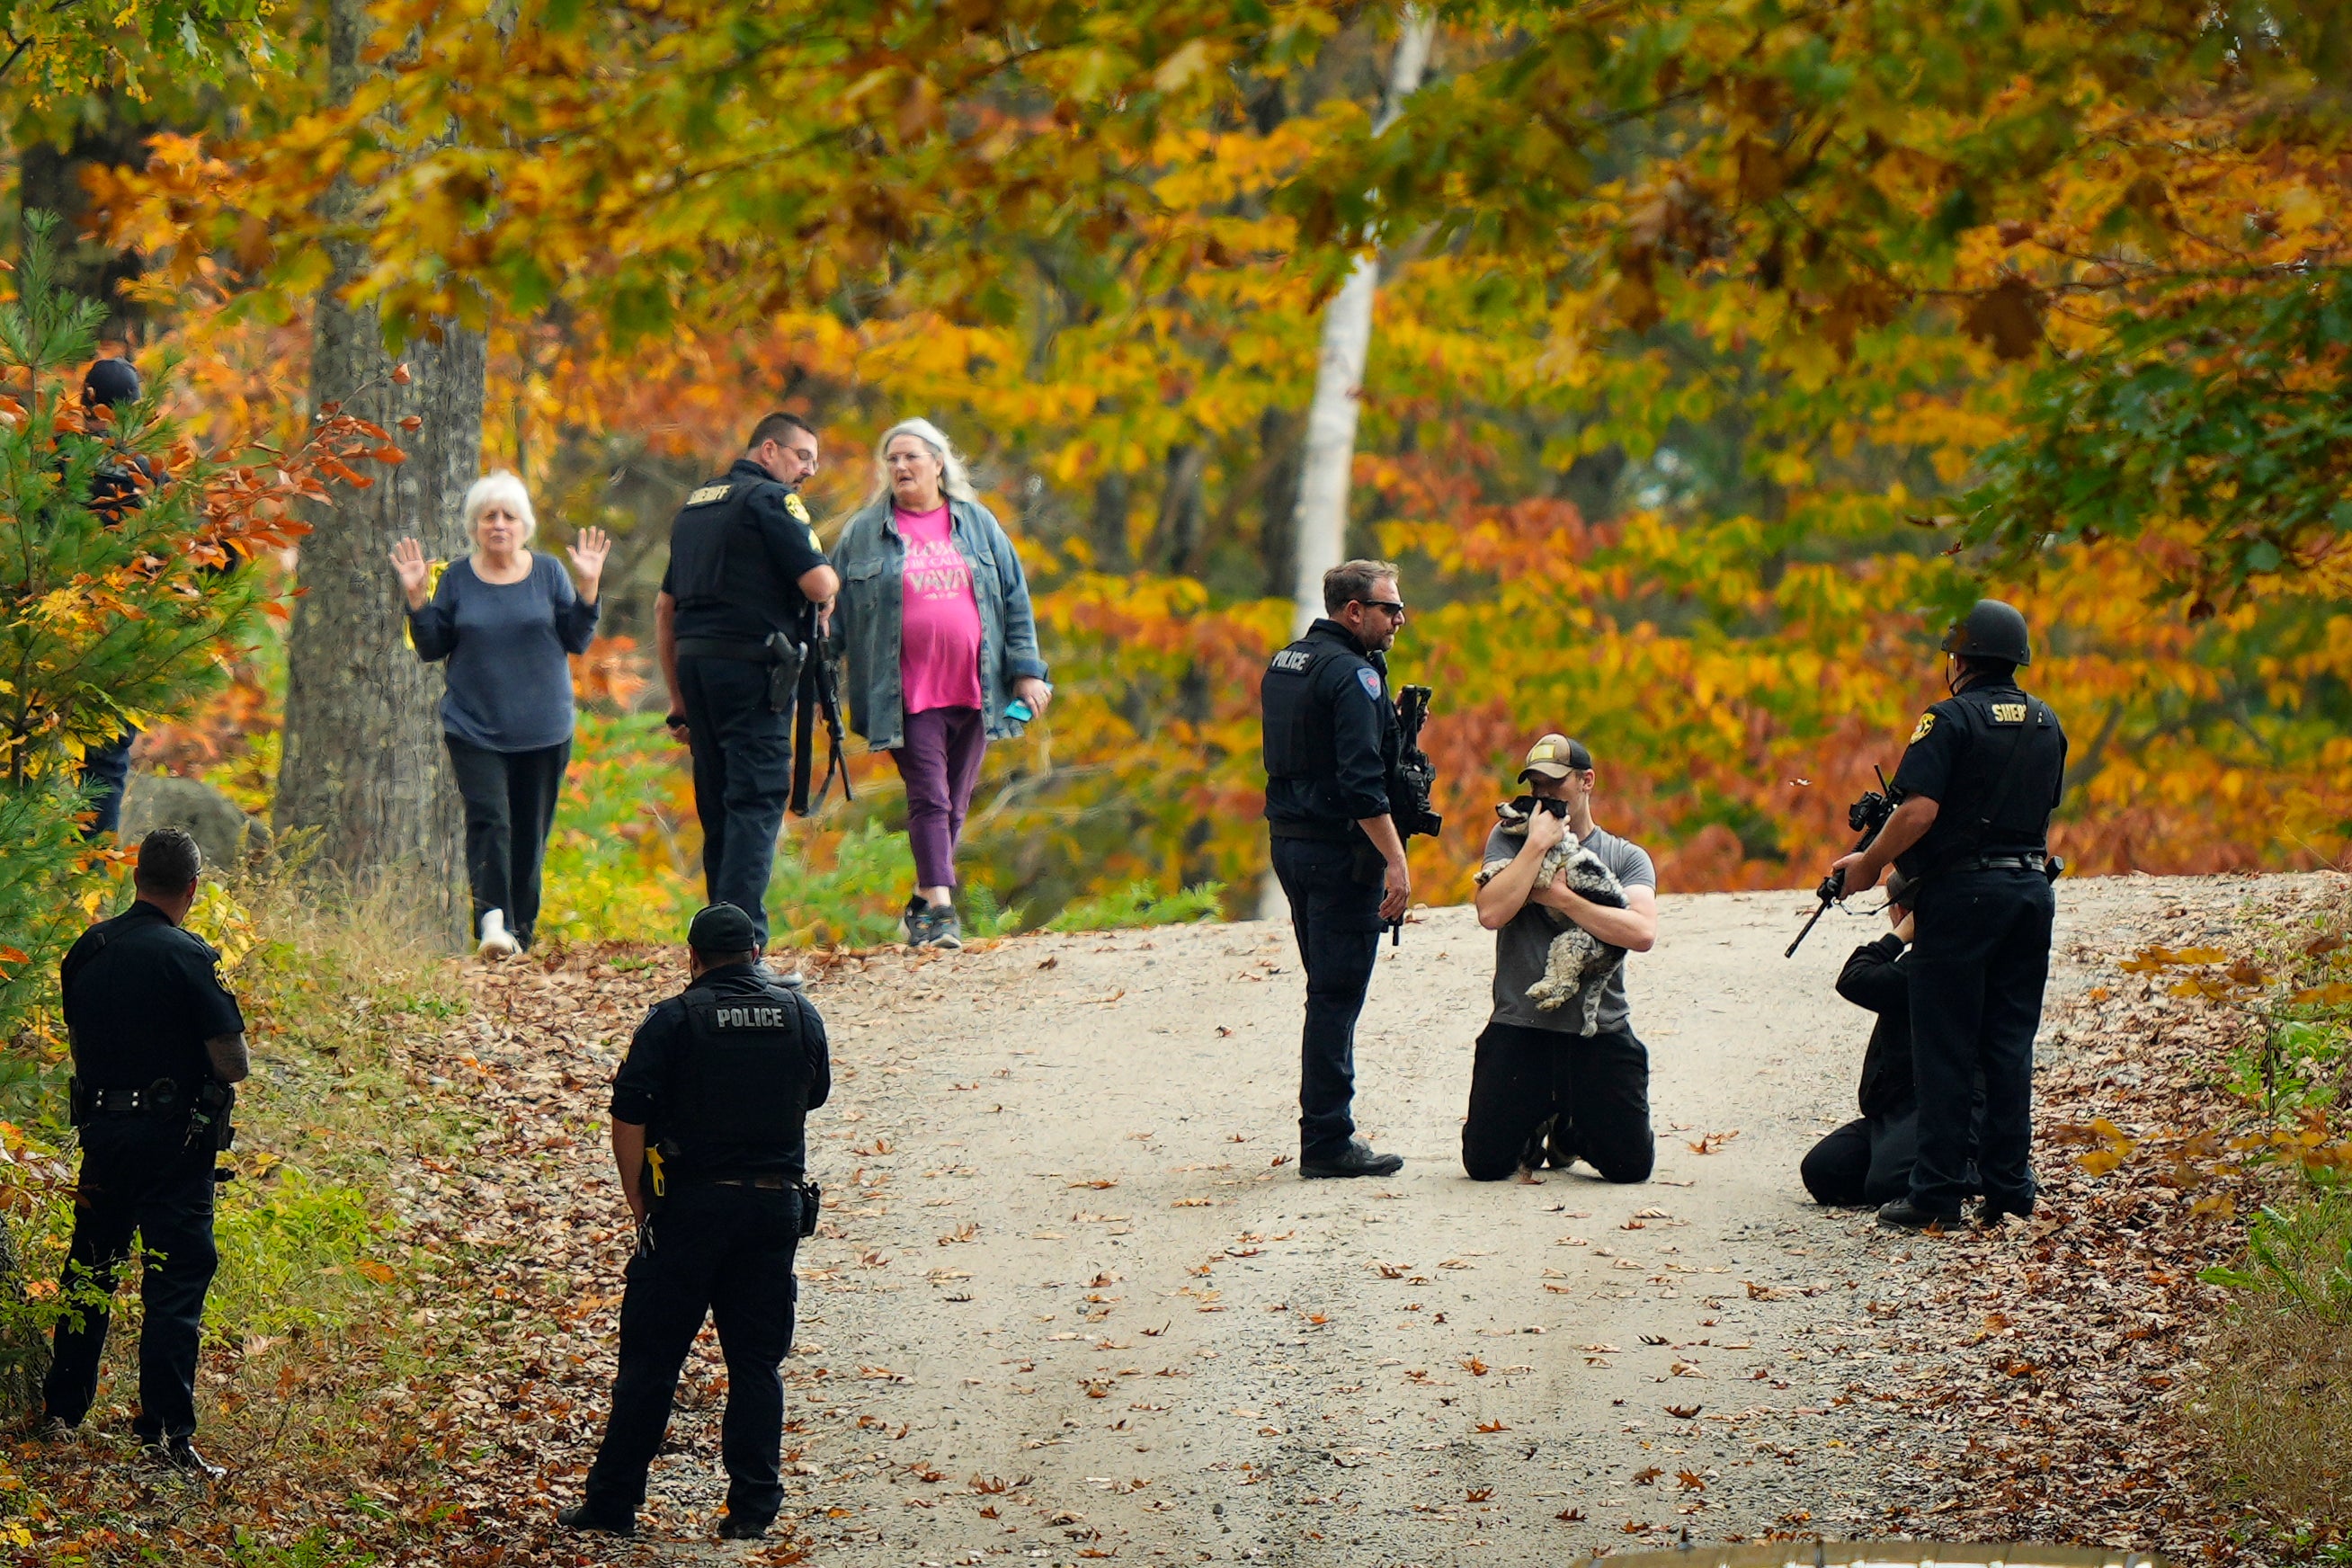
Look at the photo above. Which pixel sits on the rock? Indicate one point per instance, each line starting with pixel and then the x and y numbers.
pixel 220 829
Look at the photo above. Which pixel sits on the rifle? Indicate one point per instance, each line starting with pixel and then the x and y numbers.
pixel 1865 816
pixel 820 693
pixel 1413 778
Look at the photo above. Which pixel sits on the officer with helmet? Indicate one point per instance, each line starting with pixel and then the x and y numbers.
pixel 1978 784
pixel 730 629
pixel 707 1133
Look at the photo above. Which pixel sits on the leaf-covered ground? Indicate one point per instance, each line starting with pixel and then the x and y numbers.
pixel 1071 1303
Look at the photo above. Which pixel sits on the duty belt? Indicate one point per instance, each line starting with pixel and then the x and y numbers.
pixel 726 647
pixel 2030 861
pixel 163 1094
pixel 766 1184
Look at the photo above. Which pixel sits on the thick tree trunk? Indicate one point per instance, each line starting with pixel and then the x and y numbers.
pixel 364 764
pixel 1321 531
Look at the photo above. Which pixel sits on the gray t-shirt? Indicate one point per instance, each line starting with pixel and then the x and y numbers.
pixel 1521 946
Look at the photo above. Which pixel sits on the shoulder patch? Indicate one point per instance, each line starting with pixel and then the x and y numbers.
pixel 793 504
pixel 2008 712
pixel 709 493
pixel 814 543
pixel 1372 681
pixel 1919 731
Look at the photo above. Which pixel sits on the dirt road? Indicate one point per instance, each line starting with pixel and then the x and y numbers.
pixel 1073 1302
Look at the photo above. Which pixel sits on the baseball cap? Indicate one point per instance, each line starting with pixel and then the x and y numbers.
pixel 722 928
pixel 1556 757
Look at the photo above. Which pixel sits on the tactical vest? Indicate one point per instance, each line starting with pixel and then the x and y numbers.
pixel 718 556
pixel 1296 733
pixel 1974 818
pixel 741 1091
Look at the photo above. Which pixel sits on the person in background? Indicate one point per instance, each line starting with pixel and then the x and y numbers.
pixel 942 647
pixel 730 627
pixel 503 618
pixel 112 384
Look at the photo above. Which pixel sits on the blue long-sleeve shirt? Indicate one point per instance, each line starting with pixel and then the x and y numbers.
pixel 509 688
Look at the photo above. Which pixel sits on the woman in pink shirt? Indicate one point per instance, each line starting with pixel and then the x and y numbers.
pixel 941 647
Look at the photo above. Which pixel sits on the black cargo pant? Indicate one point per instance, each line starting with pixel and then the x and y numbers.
pixel 1597 1088
pixel 105 771
pixel 137 1177
pixel 1979 957
pixel 724 1251
pixel 1867 1161
pixel 510 808
pixel 742 777
pixel 1338 923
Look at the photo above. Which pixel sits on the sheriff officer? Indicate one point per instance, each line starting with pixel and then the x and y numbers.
pixel 1331 742
pixel 156 1039
pixel 707 1113
pixel 744 563
pixel 1983 772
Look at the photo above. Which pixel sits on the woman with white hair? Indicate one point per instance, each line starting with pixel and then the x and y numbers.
pixel 942 646
pixel 504 619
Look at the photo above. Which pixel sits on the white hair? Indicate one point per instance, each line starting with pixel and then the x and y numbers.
pixel 955 478
pixel 499 486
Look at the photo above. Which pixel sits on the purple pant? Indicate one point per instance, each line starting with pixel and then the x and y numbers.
pixel 941 764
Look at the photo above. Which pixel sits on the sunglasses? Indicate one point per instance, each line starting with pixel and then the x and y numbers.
pixel 1395 608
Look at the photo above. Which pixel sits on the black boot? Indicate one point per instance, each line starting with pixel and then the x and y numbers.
pixel 1992 1211
pixel 180 1454
pixel 1356 1160
pixel 1904 1214
pixel 579 1516
pixel 739 1526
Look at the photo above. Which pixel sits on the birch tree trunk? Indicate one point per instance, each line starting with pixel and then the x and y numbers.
pixel 1321 526
pixel 364 763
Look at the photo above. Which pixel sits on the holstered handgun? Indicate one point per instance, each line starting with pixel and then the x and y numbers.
pixel 208 1116
pixel 784 657
pixel 812 1205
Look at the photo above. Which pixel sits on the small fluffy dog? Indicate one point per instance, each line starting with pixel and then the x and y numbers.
pixel 1579 962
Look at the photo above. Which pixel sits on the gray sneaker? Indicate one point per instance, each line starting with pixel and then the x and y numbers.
pixel 935 926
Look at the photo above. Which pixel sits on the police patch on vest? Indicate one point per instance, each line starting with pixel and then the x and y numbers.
pixel 2009 712
pixel 709 493
pixel 793 504
pixel 1371 682
pixel 752 1017
pixel 1292 660
pixel 1919 733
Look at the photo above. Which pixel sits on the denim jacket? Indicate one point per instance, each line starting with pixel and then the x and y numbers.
pixel 871 558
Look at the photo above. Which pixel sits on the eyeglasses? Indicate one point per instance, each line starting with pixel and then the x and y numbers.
pixel 1395 608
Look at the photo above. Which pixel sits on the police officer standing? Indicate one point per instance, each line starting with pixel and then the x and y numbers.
pixel 1332 743
pixel 106 768
pixel 744 566
pixel 156 1043
pixel 1983 772
pixel 707 1113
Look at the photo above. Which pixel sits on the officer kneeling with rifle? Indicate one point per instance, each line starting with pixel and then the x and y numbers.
pixel 157 1041
pixel 707 1114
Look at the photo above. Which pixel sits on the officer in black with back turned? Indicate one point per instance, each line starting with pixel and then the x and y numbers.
pixel 157 1041
pixel 707 1113
pixel 729 625
pixel 1978 784
pixel 1332 743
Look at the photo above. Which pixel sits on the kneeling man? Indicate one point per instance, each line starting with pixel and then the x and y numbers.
pixel 1555 1076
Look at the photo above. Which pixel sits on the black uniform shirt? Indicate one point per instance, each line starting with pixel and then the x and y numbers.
pixel 768 546
pixel 648 1082
pixel 1956 758
pixel 1348 783
pixel 1877 977
pixel 142 998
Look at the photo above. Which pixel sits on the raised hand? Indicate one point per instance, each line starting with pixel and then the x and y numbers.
pixel 588 552
pixel 408 560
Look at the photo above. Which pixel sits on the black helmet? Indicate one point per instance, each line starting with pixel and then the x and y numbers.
pixel 1991 630
pixel 113 382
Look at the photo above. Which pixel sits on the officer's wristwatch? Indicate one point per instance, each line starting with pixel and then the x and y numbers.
pixel 675 721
